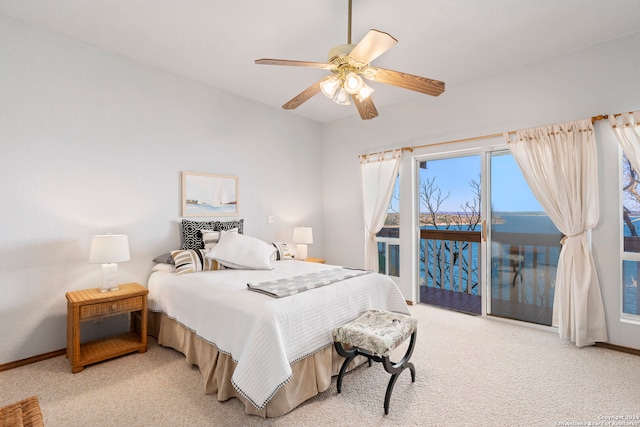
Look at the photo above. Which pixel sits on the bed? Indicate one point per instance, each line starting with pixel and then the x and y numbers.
pixel 270 353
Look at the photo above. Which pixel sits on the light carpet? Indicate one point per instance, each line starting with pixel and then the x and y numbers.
pixel 470 371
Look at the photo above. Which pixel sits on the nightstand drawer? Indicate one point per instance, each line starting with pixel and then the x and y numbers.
pixel 111 307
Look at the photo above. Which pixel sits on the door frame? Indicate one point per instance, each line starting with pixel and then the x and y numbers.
pixel 410 184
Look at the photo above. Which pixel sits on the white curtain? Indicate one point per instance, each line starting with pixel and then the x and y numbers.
pixel 626 127
pixel 379 172
pixel 559 163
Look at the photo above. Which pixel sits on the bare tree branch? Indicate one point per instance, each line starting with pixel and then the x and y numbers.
pixel 439 255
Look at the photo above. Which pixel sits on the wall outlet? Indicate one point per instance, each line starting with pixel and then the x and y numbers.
pixel 271 219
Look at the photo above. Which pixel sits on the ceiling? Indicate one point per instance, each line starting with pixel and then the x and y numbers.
pixel 216 42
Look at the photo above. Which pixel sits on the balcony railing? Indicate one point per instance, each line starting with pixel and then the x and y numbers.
pixel 449 269
pixel 449 260
pixel 528 262
pixel 523 268
pixel 441 247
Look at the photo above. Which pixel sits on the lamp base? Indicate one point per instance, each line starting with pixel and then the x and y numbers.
pixel 109 276
pixel 301 252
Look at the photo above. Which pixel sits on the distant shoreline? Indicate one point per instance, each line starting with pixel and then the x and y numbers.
pixel 452 218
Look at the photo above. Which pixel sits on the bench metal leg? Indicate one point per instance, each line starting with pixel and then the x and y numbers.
pixel 395 369
pixel 349 355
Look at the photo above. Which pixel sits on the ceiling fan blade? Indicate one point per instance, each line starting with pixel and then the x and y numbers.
pixel 366 108
pixel 374 44
pixel 268 61
pixel 408 81
pixel 303 96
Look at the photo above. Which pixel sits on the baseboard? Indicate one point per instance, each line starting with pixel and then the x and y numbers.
pixel 33 359
pixel 629 350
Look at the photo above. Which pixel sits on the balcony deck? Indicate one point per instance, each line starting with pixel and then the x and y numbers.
pixel 453 300
pixel 472 304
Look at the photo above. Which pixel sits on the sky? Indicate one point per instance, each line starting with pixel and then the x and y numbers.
pixel 510 192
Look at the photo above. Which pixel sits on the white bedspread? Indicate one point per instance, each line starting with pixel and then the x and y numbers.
pixel 265 335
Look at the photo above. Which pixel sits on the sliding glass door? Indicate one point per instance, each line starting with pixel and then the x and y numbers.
pixel 485 241
pixel 523 246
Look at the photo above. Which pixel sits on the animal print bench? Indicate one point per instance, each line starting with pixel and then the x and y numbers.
pixel 374 335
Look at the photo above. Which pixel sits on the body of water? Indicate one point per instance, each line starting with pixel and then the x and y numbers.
pixel 521 223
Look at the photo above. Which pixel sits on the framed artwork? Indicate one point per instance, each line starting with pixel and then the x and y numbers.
pixel 205 194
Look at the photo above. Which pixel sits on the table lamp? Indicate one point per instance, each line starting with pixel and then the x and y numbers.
pixel 302 236
pixel 108 249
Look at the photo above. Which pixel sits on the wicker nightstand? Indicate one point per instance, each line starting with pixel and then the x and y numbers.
pixel 92 304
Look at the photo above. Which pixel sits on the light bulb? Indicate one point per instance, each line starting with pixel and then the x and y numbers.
pixel 352 83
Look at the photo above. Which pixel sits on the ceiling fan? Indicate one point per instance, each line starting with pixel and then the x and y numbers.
pixel 348 64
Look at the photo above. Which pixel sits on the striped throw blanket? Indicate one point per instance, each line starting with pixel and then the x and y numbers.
pixel 294 285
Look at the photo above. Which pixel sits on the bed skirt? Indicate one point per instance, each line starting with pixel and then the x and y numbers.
pixel 311 375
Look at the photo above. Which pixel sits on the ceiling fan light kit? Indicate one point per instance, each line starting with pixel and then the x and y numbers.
pixel 348 64
pixel 337 87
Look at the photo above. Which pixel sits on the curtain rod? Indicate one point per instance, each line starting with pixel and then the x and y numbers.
pixel 606 116
pixel 475 138
pixel 362 156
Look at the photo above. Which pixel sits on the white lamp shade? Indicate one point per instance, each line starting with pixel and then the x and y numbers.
pixel 364 92
pixel 303 235
pixel 108 248
pixel 329 85
pixel 341 97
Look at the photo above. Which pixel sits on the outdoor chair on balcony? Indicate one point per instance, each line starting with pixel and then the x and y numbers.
pixel 374 335
pixel 513 257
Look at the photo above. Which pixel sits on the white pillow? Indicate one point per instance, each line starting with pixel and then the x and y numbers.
pixel 210 238
pixel 242 252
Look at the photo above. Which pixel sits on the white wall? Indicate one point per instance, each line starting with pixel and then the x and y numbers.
pixel 598 80
pixel 91 143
